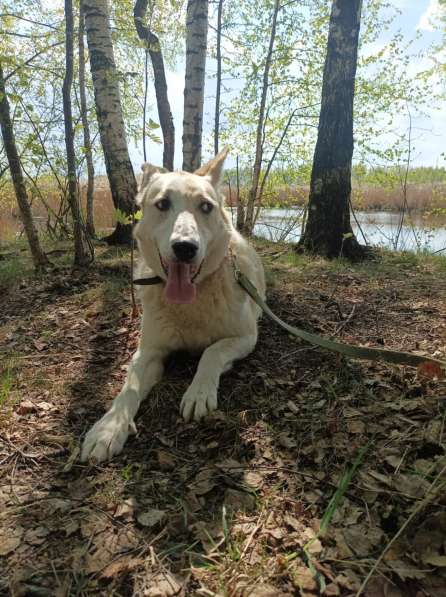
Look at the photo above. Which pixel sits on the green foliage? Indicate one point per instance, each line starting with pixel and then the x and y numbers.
pixel 385 86
pixel 124 218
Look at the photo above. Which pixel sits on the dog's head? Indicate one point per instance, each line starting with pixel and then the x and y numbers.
pixel 184 232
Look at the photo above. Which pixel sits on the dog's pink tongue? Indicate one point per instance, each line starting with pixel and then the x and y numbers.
pixel 179 288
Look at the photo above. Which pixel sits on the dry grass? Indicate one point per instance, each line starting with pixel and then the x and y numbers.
pixel 419 197
pixel 231 506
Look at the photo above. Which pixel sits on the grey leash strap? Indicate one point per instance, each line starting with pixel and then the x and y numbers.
pixel 433 367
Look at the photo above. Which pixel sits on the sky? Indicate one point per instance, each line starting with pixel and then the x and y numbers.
pixel 428 132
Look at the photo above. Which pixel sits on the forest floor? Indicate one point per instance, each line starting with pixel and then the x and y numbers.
pixel 231 506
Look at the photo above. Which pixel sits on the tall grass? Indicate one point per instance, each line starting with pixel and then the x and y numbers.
pixel 369 194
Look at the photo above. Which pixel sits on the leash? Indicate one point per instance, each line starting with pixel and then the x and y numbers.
pixel 428 366
pixel 148 281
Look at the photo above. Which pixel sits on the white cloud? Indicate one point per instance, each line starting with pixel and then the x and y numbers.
pixel 430 16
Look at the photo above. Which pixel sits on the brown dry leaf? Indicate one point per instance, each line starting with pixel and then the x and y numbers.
pixel 108 545
pixel 166 461
pixel 412 485
pixel 93 524
pixel 71 527
pixel 428 542
pixel 121 566
pixel 430 370
pixel 40 345
pixel 360 541
pixel 435 559
pixel 58 505
pixel 204 482
pixel 332 590
pixel 162 584
pixel 26 407
pixel 286 441
pixel 10 539
pixel 355 426
pixel 405 569
pixel 239 500
pixel 210 534
pixel 98 559
pixel 126 510
pixel 253 479
pixel 151 517
pixel 230 466
pixel 302 578
pixel 343 550
pixel 36 536
pixel 292 522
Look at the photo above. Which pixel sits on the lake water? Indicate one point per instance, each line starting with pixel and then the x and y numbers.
pixel 418 233
pixel 379 229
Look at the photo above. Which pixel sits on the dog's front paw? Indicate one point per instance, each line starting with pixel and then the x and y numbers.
pixel 198 401
pixel 107 437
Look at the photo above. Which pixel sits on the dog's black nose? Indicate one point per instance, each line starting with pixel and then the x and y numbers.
pixel 184 251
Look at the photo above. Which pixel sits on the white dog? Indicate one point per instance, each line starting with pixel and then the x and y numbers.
pixel 186 238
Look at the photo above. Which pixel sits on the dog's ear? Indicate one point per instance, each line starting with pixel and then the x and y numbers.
pixel 148 170
pixel 214 168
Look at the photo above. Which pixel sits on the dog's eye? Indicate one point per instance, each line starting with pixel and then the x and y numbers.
pixel 163 204
pixel 206 207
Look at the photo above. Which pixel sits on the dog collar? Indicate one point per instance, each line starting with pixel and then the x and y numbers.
pixel 148 281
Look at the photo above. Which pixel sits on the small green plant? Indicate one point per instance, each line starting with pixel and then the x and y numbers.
pixel 125 219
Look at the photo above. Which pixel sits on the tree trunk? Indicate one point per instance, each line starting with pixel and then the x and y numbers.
pixel 328 231
pixel 39 258
pixel 218 81
pixel 86 128
pixel 109 114
pixel 196 45
pixel 253 191
pixel 159 75
pixel 80 253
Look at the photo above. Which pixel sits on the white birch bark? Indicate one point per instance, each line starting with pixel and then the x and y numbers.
pixel 196 46
pixel 109 112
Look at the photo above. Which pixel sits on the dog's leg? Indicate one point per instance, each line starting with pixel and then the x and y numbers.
pixel 201 396
pixel 108 436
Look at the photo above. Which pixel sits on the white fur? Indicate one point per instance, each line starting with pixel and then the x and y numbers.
pixel 221 322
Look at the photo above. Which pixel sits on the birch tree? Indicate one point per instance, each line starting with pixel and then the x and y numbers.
pixel 39 258
pixel 86 127
pixel 218 58
pixel 80 252
pixel 109 114
pixel 328 231
pixel 196 47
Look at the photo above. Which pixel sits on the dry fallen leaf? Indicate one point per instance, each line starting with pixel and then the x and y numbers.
pixel 26 407
pixel 303 578
pixel 204 482
pixel 121 566
pixel 239 500
pixel 151 518
pixel 210 534
pixel 430 370
pixel 286 441
pixel 36 536
pixel 166 461
pixel 162 584
pixel 10 539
